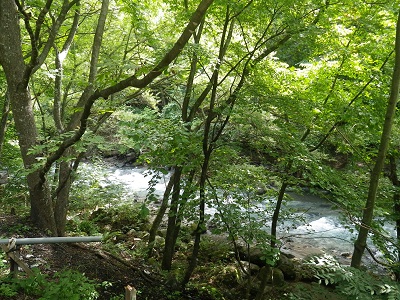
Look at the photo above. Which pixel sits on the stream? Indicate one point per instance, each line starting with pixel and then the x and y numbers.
pixel 318 227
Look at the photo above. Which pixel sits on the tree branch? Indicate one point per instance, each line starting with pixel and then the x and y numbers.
pixel 132 81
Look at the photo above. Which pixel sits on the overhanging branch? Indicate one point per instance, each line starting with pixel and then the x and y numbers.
pixel 132 81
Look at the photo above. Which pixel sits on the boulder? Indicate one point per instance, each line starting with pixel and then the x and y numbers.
pixel 278 278
pixel 229 275
pixel 255 255
pixel 250 268
pixel 288 267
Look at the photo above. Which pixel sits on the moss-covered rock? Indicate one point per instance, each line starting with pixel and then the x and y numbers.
pixel 121 218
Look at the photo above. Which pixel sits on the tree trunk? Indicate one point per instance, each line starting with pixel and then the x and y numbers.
pixel 275 216
pixel 361 242
pixel 62 197
pixel 396 206
pixel 201 225
pixel 160 214
pixel 187 191
pixel 169 247
pixel 3 121
pixel 12 61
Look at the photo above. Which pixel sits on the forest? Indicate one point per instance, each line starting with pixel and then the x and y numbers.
pixel 262 135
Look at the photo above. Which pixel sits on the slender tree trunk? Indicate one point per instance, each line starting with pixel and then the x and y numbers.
pixel 275 216
pixel 169 247
pixel 3 121
pixel 361 242
pixel 396 206
pixel 62 196
pixel 201 225
pixel 187 191
pixel 160 214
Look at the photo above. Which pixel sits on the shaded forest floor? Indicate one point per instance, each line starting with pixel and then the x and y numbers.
pixel 89 259
pixel 120 269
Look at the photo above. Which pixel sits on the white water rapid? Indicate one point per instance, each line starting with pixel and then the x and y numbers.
pixel 317 227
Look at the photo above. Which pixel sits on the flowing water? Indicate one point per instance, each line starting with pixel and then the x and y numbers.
pixel 317 226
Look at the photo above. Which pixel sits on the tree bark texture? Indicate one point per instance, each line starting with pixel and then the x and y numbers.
pixel 275 216
pixel 3 122
pixel 12 61
pixel 160 214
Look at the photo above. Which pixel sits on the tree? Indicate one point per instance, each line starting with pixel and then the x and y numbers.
pixel 396 207
pixel 306 114
pixel 207 107
pixel 368 212
pixel 46 212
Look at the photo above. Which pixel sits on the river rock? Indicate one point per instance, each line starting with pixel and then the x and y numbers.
pixel 250 267
pixel 255 255
pixel 278 278
pixel 229 275
pixel 288 267
pixel 345 254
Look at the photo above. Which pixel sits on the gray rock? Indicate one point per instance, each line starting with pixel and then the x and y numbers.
pixel 278 278
pixel 287 267
pixel 250 267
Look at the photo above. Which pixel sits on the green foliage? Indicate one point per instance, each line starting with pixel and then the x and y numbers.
pixel 244 203
pixel 62 285
pixel 82 226
pixel 314 291
pixel 13 194
pixel 163 139
pixel 350 282
pixel 122 218
pixel 3 265
pixel 292 100
pixel 71 285
pixel 11 155
pixel 19 229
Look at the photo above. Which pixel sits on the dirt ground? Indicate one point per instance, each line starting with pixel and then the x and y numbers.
pixel 94 262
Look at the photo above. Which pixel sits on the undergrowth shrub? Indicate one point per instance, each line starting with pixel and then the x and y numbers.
pixel 122 217
pixel 91 188
pixel 350 282
pixel 68 285
pixel 82 226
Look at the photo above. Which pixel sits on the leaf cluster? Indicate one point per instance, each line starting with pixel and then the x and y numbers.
pixel 353 283
pixel 66 284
